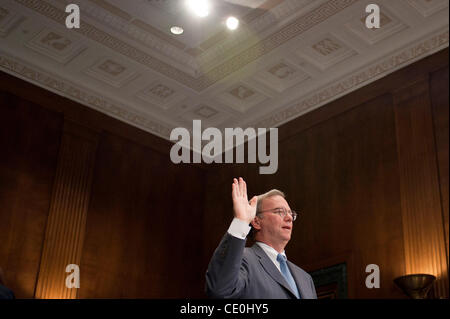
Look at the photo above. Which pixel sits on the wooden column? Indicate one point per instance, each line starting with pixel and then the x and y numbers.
pixel 67 216
pixel 423 228
pixel 440 101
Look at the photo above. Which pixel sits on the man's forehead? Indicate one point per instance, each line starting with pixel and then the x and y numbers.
pixel 274 202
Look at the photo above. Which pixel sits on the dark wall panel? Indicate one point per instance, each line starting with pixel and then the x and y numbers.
pixel 440 105
pixel 144 225
pixel 29 142
pixel 143 230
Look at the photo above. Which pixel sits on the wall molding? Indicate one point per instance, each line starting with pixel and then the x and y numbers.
pixel 68 212
pixel 329 93
pixel 423 229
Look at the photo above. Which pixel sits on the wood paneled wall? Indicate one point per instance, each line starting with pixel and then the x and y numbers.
pixel 66 222
pixel 144 225
pixel 440 104
pixel 423 228
pixel 369 172
pixel 78 187
pixel 29 143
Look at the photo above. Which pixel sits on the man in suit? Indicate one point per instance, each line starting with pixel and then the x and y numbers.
pixel 261 271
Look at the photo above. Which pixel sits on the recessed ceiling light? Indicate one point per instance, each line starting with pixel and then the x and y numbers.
pixel 232 23
pixel 176 30
pixel 199 7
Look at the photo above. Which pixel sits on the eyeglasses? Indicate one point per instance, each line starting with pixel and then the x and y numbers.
pixel 282 212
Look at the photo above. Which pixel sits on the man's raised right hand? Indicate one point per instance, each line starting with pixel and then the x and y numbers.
pixel 243 209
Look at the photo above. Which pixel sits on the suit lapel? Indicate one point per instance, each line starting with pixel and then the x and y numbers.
pixel 270 268
pixel 302 286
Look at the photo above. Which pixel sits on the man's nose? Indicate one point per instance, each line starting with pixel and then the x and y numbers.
pixel 288 216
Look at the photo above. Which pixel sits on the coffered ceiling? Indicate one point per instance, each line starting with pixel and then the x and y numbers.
pixel 287 57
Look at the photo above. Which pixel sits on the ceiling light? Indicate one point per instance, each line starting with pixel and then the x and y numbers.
pixel 176 30
pixel 232 23
pixel 199 7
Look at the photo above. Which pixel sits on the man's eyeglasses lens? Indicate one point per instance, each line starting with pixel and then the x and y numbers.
pixel 283 213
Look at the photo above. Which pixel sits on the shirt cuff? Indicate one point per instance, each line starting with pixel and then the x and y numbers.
pixel 239 228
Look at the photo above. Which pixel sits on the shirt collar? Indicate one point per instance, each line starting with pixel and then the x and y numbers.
pixel 270 251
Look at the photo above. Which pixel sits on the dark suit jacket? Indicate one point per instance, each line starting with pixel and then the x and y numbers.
pixel 239 272
pixel 6 293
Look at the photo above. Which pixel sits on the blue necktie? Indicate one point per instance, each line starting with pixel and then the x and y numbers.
pixel 287 274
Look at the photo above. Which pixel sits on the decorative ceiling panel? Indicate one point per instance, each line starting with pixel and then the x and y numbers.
pixel 429 7
pixel 112 72
pixel 389 25
pixel 9 19
pixel 287 57
pixel 326 50
pixel 161 94
pixel 281 75
pixel 56 45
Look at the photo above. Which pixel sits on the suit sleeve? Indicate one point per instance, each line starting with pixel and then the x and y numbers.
pixel 313 288
pixel 227 274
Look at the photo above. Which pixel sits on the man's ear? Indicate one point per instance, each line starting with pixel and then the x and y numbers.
pixel 256 223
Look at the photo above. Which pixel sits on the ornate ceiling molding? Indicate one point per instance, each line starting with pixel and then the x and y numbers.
pixel 393 62
pixel 81 95
pixel 231 65
pixel 370 74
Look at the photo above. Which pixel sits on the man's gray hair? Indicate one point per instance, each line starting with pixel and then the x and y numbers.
pixel 271 193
